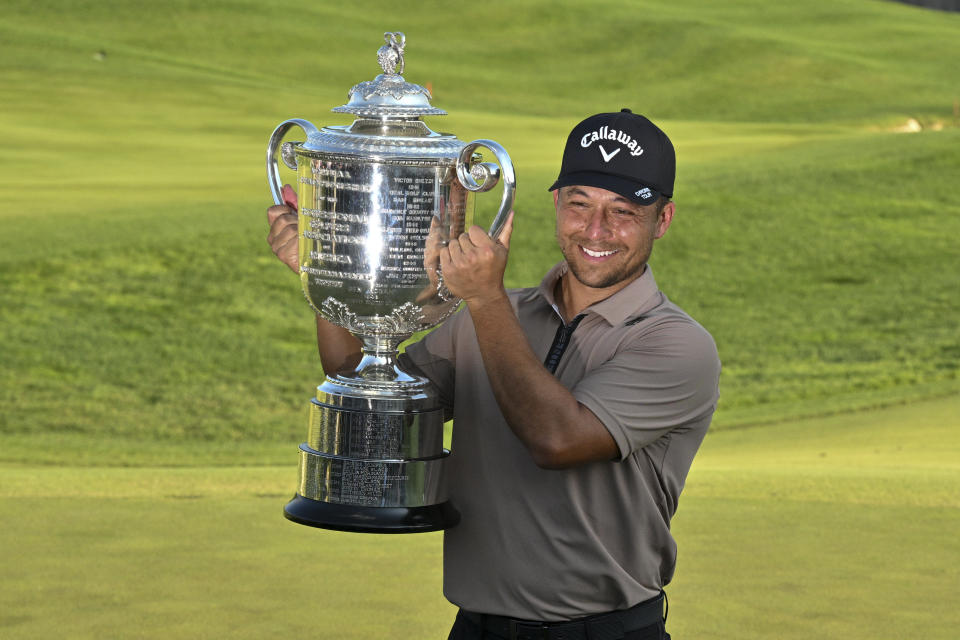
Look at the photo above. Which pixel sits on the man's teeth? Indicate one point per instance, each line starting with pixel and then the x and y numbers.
pixel 597 254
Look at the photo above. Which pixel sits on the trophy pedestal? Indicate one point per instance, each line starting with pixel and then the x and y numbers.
pixel 325 515
pixel 373 460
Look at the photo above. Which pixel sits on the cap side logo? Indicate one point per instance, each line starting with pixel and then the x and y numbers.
pixel 643 193
pixel 607 156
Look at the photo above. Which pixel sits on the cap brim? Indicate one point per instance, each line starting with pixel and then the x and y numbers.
pixel 629 189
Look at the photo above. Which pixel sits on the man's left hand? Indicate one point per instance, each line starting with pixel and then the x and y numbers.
pixel 474 263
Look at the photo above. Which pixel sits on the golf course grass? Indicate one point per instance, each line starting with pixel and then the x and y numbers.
pixel 835 528
pixel 156 360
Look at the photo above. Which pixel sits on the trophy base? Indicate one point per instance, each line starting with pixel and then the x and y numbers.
pixel 358 519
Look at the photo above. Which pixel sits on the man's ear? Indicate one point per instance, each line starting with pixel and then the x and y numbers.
pixel 556 197
pixel 666 217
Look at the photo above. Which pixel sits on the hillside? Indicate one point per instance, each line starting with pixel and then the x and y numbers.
pixel 140 302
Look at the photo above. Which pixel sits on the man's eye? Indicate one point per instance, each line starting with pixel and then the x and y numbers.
pixel 623 212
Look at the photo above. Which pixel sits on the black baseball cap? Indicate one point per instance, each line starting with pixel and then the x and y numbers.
pixel 621 152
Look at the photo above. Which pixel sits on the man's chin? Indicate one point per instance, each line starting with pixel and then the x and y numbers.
pixel 596 280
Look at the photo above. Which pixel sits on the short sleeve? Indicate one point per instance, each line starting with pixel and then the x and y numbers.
pixel 434 357
pixel 663 380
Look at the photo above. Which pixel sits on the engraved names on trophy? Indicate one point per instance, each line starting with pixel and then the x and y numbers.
pixel 369 457
pixel 353 434
pixel 414 195
pixel 361 482
pixel 397 202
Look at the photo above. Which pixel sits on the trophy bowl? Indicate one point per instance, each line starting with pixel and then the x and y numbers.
pixel 378 200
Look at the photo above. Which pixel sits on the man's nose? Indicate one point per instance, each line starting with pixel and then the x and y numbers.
pixel 597 227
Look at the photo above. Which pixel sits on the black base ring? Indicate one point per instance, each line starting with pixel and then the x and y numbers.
pixel 358 519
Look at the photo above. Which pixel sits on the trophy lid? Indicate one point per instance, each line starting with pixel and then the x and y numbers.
pixel 389 95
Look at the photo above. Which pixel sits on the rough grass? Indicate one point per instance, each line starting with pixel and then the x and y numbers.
pixel 826 283
pixel 140 303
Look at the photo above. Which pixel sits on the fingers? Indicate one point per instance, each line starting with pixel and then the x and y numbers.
pixel 473 265
pixel 283 238
pixel 284 243
pixel 289 196
pixel 456 251
pixel 468 250
pixel 279 217
pixel 286 251
pixel 479 238
pixel 507 231
pixel 433 244
pixel 278 210
pixel 282 229
pixel 473 238
pixel 445 259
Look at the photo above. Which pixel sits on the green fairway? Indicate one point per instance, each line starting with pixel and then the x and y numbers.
pixel 842 527
pixel 836 528
pixel 156 360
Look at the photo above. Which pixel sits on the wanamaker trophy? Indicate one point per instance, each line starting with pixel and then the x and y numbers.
pixel 378 199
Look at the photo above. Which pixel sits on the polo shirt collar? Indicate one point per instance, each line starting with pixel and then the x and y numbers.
pixel 634 299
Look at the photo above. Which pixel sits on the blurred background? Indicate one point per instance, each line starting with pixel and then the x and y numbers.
pixel 156 360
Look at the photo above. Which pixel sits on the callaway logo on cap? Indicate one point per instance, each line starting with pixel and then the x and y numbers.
pixel 621 152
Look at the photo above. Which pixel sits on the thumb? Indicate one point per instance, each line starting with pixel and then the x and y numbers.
pixel 504 236
pixel 289 196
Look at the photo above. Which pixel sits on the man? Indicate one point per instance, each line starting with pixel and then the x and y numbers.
pixel 578 404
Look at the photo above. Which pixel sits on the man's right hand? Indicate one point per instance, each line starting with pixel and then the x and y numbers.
pixel 338 348
pixel 283 229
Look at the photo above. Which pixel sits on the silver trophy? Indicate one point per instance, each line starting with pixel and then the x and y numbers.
pixel 378 200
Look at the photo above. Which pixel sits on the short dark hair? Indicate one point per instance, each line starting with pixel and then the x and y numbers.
pixel 661 203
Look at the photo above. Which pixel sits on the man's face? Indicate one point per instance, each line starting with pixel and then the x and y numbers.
pixel 605 238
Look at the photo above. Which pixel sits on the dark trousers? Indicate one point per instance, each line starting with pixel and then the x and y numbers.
pixel 464 629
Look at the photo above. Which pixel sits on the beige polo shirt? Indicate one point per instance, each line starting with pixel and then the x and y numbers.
pixel 560 544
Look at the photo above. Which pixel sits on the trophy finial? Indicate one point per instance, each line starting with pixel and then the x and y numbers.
pixel 389 95
pixel 390 55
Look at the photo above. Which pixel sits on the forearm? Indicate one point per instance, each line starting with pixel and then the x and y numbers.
pixel 339 349
pixel 558 431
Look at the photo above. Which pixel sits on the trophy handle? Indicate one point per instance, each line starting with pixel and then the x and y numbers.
pixel 273 169
pixel 490 174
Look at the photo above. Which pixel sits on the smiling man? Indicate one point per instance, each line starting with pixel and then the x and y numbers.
pixel 578 404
